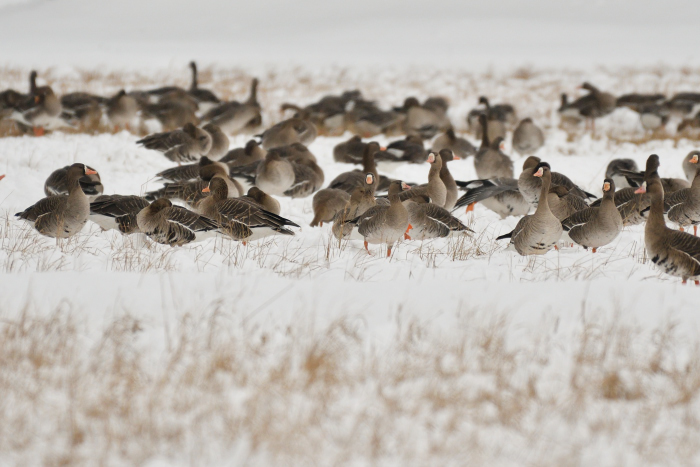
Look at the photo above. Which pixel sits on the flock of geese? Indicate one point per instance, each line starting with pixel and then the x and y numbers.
pixel 232 192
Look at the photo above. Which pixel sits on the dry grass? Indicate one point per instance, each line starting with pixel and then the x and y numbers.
pixel 482 393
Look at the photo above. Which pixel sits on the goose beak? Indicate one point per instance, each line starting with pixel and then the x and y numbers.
pixel 369 179
pixel 539 173
pixel 431 158
pixel 382 148
pixel 205 189
pixel 405 186
pixel 1 177
pixel 456 158
pixel 694 159
pixel 606 186
pixel 641 189
pixel 501 146
pixel 90 171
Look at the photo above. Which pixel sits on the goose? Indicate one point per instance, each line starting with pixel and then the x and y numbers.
pixel 638 101
pixel 435 190
pixel 460 147
pixel 530 185
pixel 188 144
pixel 683 103
pixel 632 205
pixel 40 109
pixel 420 121
pixel 190 191
pixel 240 218
pixel 653 117
pixel 361 199
pixel 615 168
pixel 428 220
pixel 489 161
pixel 219 142
pixel 328 114
pixel 594 227
pixel 297 129
pixel 439 105
pixel 262 199
pixel 571 111
pixel 251 152
pixel 350 151
pixel 563 203
pixel 205 98
pixel 452 191
pixel 671 185
pixel 171 113
pixel 683 206
pixel 500 195
pixel 62 216
pixel 58 183
pixel 236 117
pixel 117 212
pixel 382 223
pixel 409 150
pixel 327 203
pixel 674 252
pixel 121 109
pixel 365 119
pixel 498 116
pixel 527 138
pixel 595 105
pixel 347 181
pixel 538 233
pixel 83 110
pixel 172 225
pixel 690 165
pixel 9 99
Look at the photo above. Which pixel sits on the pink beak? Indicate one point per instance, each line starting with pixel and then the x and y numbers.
pixel 641 189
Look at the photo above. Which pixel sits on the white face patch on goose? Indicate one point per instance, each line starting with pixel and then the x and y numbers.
pixel 431 157
pixel 606 186
pixel 369 179
pixel 641 189
pixel 540 172
pixel 694 159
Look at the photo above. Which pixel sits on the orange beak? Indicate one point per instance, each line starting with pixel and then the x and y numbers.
pixel 405 186
pixel 90 171
pixel 641 189
pixel 456 158
pixel 539 172
pixel 1 177
pixel 382 148
pixel 694 159
pixel 205 189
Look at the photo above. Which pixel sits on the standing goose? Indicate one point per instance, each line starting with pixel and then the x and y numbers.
pixel 172 225
pixel 240 218
pixel 497 116
pixel 684 205
pixel 205 98
pixel 190 191
pixel 690 165
pixel 421 121
pixel 117 212
pixel 434 191
pixel 459 146
pixel 348 181
pixel 530 185
pixel 185 145
pixel 382 223
pixel 82 110
pixel 489 161
pixel 597 104
pixel 538 233
pixel 527 138
pixel 121 109
pixel 563 203
pixel 62 216
pixel 58 183
pixel 361 199
pixel 327 203
pixel 595 227
pixel 171 113
pixel 40 109
pixel 350 151
pixel 674 252
pixel 452 192
pixel 428 220
pixel 500 195
pixel 236 117
pixel 297 129
pixel 637 102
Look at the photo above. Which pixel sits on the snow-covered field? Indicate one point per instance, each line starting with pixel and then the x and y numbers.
pixel 297 351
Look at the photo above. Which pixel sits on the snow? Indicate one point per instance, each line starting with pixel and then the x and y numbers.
pixel 293 351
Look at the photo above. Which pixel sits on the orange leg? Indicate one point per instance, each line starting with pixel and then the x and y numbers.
pixel 39 131
pixel 684 282
pixel 681 228
pixel 367 248
pixel 697 282
pixel 594 250
pixel 245 243
pixel 556 247
pixel 470 208
pixel 321 224
pixel 695 230
pixel 388 251
pixel 405 235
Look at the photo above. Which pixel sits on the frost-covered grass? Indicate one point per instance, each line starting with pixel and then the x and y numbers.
pixel 303 351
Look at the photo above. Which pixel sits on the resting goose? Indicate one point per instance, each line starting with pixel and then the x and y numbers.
pixel 185 145
pixel 9 99
pixel 171 113
pixel 297 129
pixel 594 227
pixel 58 183
pixel 653 117
pixel 205 98
pixel 219 142
pixel 382 223
pixel 348 181
pixel 690 165
pixel 500 195
pixel 328 114
pixel 683 103
pixel 240 218
pixel 172 225
pixel 489 161
pixel 121 109
pixel 361 199
pixel 420 121
pixel 638 101
pixel 538 233
pixel 350 151
pixel 527 138
pixel 674 252
pixel 498 116
pixel 62 216
pixel 563 203
pixel 262 199
pixel 683 206
pixel 365 119
pixel 459 146
pixel 409 150
pixel 117 212
pixel 530 185
pixel 428 220
pixel 251 152
pixel 190 191
pixel 327 203
pixel 236 117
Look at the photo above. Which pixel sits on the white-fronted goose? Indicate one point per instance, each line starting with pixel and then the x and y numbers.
pixel 121 109
pixel 58 183
pixel 204 97
pixel 187 172
pixel 527 138
pixel 674 252
pixel 348 181
pixel 365 119
pixel 409 150
pixel 435 190
pixel 452 191
pixel 190 191
pixel 350 151
pixel 240 218
pixel 653 117
pixel 185 145
pixel 9 99
pixel 538 233
pixel 361 199
pixel 172 225
pixel 594 227
pixel 41 108
pixel 497 116
pixel 219 142
pixel 61 216
pixel 530 185
pixel 460 147
pixel 297 129
pixel 327 203
pixel 563 203
pixel 500 195
pixel 637 101
pixel 251 152
pixel 384 224
pixel 690 165
pixel 328 114
pixel 235 117
pixel 265 201
pixel 117 212
pixel 82 110
pixel 595 105
pixel 683 206
pixel 683 104
pixel 489 161
pixel 171 113
pixel 421 121
pixel 427 220
pixel 615 169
